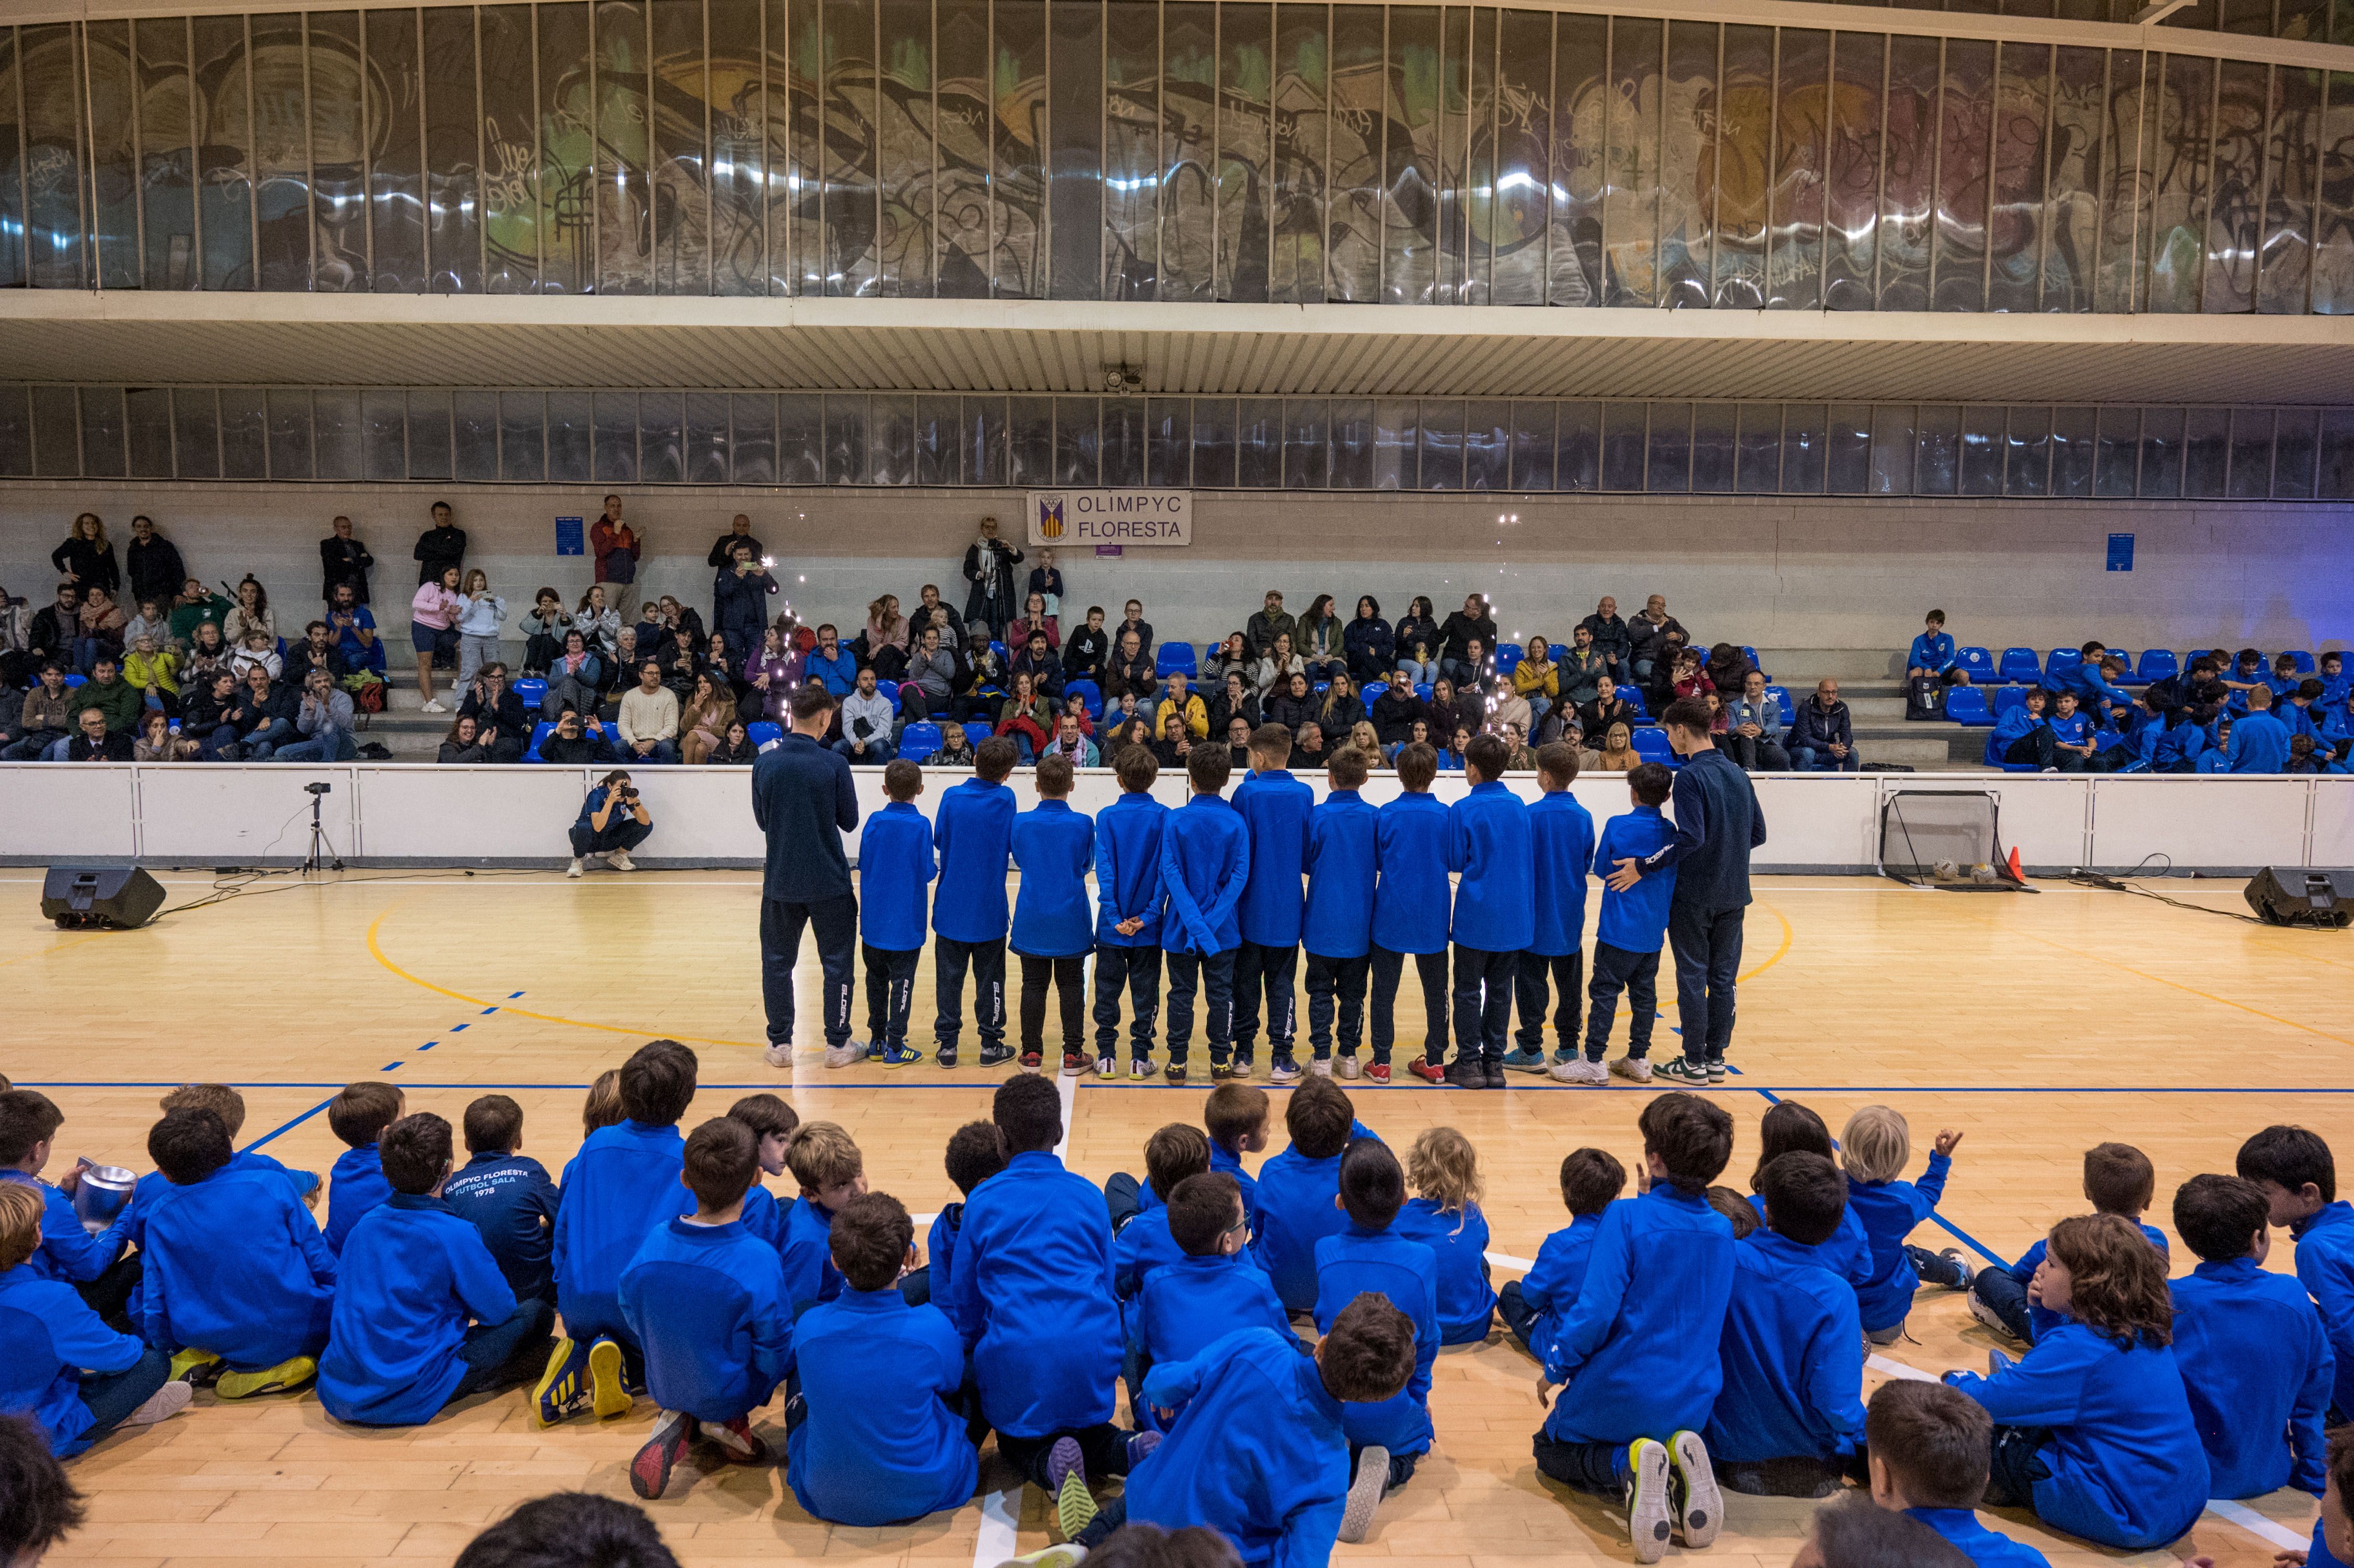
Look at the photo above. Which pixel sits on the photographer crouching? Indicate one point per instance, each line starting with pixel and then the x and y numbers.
pixel 613 821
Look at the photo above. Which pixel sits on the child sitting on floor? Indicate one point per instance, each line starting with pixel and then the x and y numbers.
pixel 1446 1218
pixel 508 1196
pixel 1533 1304
pixel 2118 1179
pixel 356 1182
pixel 1875 1146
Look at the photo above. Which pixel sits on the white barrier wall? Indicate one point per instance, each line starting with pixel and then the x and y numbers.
pixel 410 814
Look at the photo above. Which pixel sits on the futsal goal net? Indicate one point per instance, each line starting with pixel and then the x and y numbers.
pixel 1946 839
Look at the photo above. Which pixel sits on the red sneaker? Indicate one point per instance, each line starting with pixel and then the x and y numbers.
pixel 1030 1061
pixel 737 1440
pixel 1379 1071
pixel 650 1471
pixel 1073 1065
pixel 1430 1072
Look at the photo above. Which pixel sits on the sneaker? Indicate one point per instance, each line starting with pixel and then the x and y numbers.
pixel 1718 1072
pixel 1066 1482
pixel 1320 1065
pixel 1648 1514
pixel 1494 1073
pixel 1068 1554
pixel 563 1390
pixel 1172 1074
pixel 874 1046
pixel 1681 1070
pixel 1108 1067
pixel 1578 1070
pixel 1347 1068
pixel 576 868
pixel 1221 1070
pixel 901 1055
pixel 1996 1362
pixel 286 1374
pixel 945 1053
pixel 1699 1506
pixel 650 1471
pixel 1074 1063
pixel 1140 1448
pixel 162 1405
pixel 1634 1069
pixel 1365 1492
pixel 997 1055
pixel 1283 1072
pixel 607 1396
pixel 1031 1060
pixel 1139 1067
pixel 849 1053
pixel 737 1440
pixel 1428 1071
pixel 192 1365
pixel 619 860
pixel 1379 1071
pixel 1989 1316
pixel 432 705
pixel 1242 1068
pixel 779 1055
pixel 1467 1074
pixel 1525 1061
pixel 1955 1275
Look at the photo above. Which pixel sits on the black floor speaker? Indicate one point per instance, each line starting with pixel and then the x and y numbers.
pixel 99 897
pixel 2294 897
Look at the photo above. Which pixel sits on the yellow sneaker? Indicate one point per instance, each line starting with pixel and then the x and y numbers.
pixel 189 1362
pixel 609 1396
pixel 280 1379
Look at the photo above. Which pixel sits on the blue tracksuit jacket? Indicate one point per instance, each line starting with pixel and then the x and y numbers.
pixel 940 1256
pixel 1188 1305
pixel 2257 1366
pixel 1410 906
pixel 2126 1467
pixel 1488 842
pixel 1255 1452
pixel 1889 1211
pixel 2259 744
pixel 1227 1160
pixel 1635 921
pixel 763 1215
pixel 1033 1289
pixel 1563 834
pixel 411 1276
pixel 622 1185
pixel 48 1336
pixel 511 1201
pixel 1341 874
pixel 1849 1252
pixel 974 835
pixel 1053 846
pixel 1204 865
pixel 1983 1547
pixel 894 868
pixel 1127 870
pixel 1459 1239
pixel 1406 1271
pixel 67 1252
pixel 806 1252
pixel 2009 728
pixel 2324 1266
pixel 708 1304
pixel 880 1444
pixel 1551 1286
pixel 154 1184
pixel 1276 806
pixel 1718 823
pixel 1142 1245
pixel 356 1184
pixel 1793 1354
pixel 1935 654
pixel 235 1265
pixel 2041 1321
pixel 1295 1212
pixel 1655 1286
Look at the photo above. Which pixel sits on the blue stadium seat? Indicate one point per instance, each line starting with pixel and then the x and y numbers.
pixel 2305 664
pixel 764 735
pixel 75 680
pixel 1088 693
pixel 919 740
pixel 2021 664
pixel 2061 661
pixel 999 649
pixel 1781 696
pixel 1977 663
pixel 1210 654
pixel 1968 704
pixel 2018 768
pixel 2007 698
pixel 2157 664
pixel 1751 654
pixel 889 690
pixel 1422 690
pixel 979 731
pixel 1508 657
pixel 1651 744
pixel 1634 695
pixel 1174 658
pixel 1560 651
pixel 532 691
pixel 539 732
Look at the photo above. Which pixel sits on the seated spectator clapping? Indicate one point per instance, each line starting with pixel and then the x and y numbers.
pixel 504 727
pixel 322 717
pixel 258 651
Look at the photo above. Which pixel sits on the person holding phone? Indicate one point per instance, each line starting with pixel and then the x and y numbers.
pixel 613 821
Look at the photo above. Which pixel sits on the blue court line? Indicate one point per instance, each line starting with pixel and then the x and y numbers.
pixel 280 1131
pixel 266 1136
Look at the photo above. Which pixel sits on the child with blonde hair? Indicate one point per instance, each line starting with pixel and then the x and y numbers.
pixel 826 1164
pixel 1445 1217
pixel 1875 1147
pixel 603 1105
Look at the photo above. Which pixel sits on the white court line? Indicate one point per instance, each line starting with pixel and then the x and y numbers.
pixel 1506 1260
pixel 998 1536
pixel 1067 1085
pixel 1898 1369
pixel 2257 1524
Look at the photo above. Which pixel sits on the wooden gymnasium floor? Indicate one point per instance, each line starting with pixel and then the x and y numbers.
pixel 2037 1024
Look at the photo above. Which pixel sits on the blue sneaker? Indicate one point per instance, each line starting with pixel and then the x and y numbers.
pixel 1525 1061
pixel 875 1050
pixel 564 1389
pixel 896 1055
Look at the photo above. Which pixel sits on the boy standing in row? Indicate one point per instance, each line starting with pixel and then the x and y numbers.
pixel 1275 807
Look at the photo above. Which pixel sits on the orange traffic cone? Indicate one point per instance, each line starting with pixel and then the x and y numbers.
pixel 2015 876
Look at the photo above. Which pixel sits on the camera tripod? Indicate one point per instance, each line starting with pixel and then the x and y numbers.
pixel 320 849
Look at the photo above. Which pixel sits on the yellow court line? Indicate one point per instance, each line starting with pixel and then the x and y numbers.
pixel 54 948
pixel 375 951
pixel 1779 953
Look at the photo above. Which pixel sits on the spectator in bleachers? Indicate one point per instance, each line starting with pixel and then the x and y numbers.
pixel 600 624
pixel 1450 755
pixel 1037 658
pixel 1320 641
pixel 579 739
pixel 885 627
pixel 2073 730
pixel 2305 756
pixel 1339 710
pixel 2020 735
pixel 1368 742
pixel 1727 666
pixel 709 709
pixel 117 698
pixel 462 747
pixel 544 627
pixel 2242 672
pixel 614 551
pixel 1087 648
pixel 258 653
pixel 1822 738
pixel 441 547
pixel 1506 706
pixel 1368 643
pixel 1178 694
pixel 1027 718
pixel 152 563
pixel 98 628
pixel 1419 642
pixel 85 558
pixel 353 626
pixel 48 716
pixel 1291 703
pixel 152 620
pixel 1537 678
pixel 867 730
pixel 1270 622
pixel 989 564
pixel 1131 673
pixel 833 665
pixel 742 592
pixel 263 716
pixel 206 716
pixel 736 750
pixel 1034 618
pixel 2336 726
pixel 2335 684
pixel 931 612
pixel 1397 710
pixel 1691 679
pixel 432 627
pixel 1132 619
pixel 1235 698
pixel 2258 743
pixel 1607 709
pixel 930 687
pixel 342 560
pixel 1610 636
pixel 1234 657
pixel 479 621
pixel 1647 633
pixel 1457 633
pixel 315 651
pixel 1075 708
pixel 56 627
pixel 612 823
pixel 196 606
pixel 987 679
pixel 1452 709
pixel 209 654
pixel 18 665
pixel 93 742
pixel 1119 736
pixel 1071 743
pixel 740 531
pixel 650 718
pixel 1618 754
pixel 158 742
pixel 323 717
pixel 1307 747
pixel 574 679
pixel 1932 655
pixel 1583 669
pixel 1046 578
pixel 1750 726
pixel 680 668
pixel 153 673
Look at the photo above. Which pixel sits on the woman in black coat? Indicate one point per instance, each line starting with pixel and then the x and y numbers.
pixel 1369 643
pixel 989 564
pixel 87 559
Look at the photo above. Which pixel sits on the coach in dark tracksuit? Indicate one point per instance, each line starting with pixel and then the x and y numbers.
pixel 1717 825
pixel 803 800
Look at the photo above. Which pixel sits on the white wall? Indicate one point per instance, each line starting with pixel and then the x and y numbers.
pixel 392 813
pixel 1772 572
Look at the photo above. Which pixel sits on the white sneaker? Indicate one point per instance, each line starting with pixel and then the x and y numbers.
pixel 162 1405
pixel 619 860
pixel 1108 1067
pixel 433 707
pixel 1321 1066
pixel 1634 1069
pixel 849 1053
pixel 1699 1504
pixel 1650 1514
pixel 576 868
pixel 1346 1067
pixel 1364 1492
pixel 779 1055
pixel 1578 1070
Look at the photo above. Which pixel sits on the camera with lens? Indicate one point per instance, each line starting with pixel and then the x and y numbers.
pixel 317 789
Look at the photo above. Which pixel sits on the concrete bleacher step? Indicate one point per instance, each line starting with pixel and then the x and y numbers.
pixel 1791 666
